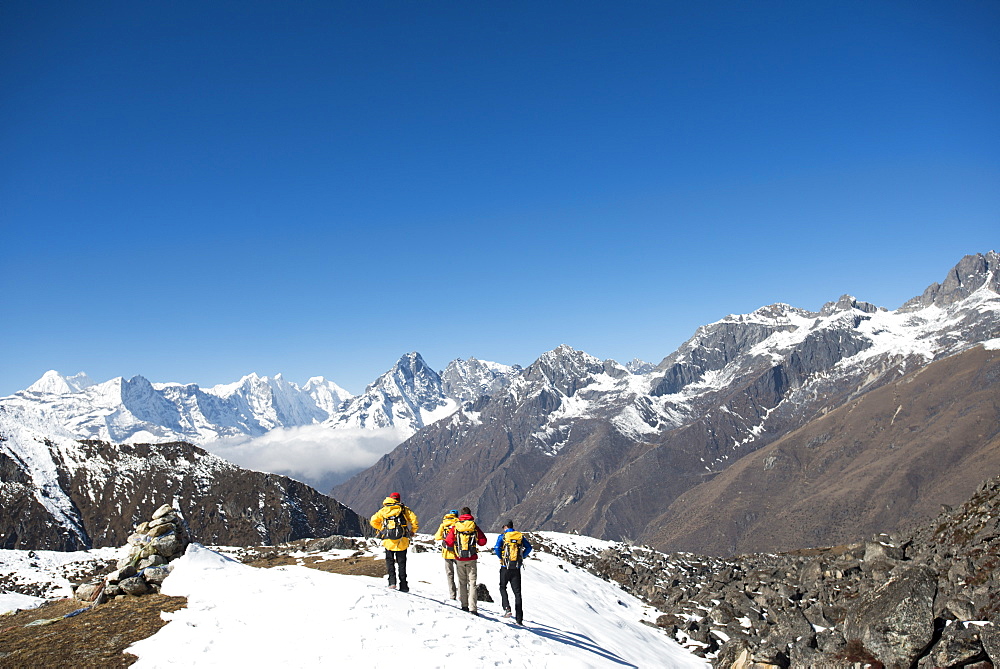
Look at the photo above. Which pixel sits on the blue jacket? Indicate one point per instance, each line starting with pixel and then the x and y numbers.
pixel 525 544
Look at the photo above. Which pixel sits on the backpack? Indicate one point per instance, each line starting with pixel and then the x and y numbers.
pixel 511 554
pixel 394 526
pixel 466 535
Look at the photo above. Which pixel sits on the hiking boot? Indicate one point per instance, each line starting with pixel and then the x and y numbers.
pixel 475 613
pixel 465 608
pixel 392 587
pixel 506 614
pixel 403 588
pixel 519 622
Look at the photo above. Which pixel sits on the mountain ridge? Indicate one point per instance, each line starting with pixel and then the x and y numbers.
pixel 575 443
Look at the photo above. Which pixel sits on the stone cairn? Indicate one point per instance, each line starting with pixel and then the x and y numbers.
pixel 152 546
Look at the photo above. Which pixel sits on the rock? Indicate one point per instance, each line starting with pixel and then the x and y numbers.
pixel 989 636
pixel 155 575
pixel 137 539
pixel 668 621
pixel 162 511
pixel 141 528
pixel 163 528
pixel 162 520
pixel 895 622
pixel 482 593
pixel 151 561
pixel 88 592
pixel 959 646
pixel 134 586
pixel 830 642
pixel 168 545
pixel 119 574
pixel 961 608
pixel 881 550
pixel 331 543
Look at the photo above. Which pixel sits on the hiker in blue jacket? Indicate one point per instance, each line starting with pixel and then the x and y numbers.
pixel 511 547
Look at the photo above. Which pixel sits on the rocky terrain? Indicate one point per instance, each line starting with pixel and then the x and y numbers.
pixel 928 597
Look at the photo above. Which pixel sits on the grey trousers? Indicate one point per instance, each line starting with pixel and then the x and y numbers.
pixel 449 576
pixel 467 583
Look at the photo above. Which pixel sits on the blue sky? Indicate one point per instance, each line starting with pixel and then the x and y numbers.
pixel 196 191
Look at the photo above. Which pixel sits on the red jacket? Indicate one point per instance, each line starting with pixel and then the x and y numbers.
pixel 463 525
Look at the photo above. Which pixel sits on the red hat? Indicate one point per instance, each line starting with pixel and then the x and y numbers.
pixel 394 495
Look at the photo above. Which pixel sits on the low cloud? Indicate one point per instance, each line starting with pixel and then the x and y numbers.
pixel 314 454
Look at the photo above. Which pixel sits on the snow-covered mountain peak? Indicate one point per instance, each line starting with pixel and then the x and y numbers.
pixel 637 366
pixel 771 314
pixel 409 374
pixel 468 380
pixel 407 397
pixel 54 383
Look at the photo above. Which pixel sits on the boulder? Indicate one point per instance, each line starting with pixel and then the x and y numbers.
pixel 155 575
pixel 162 511
pixel 151 561
pixel 162 520
pixel 895 622
pixel 483 594
pixel 167 545
pixel 134 586
pixel 120 574
pixel 161 529
pixel 989 635
pixel 961 608
pixel 88 592
pixel 959 646
pixel 331 543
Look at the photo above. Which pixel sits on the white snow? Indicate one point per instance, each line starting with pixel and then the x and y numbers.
pixel 296 616
pixel 12 601
pixel 48 571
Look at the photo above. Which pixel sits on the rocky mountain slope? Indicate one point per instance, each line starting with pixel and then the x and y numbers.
pixel 926 597
pixel 576 443
pixel 923 440
pixel 60 493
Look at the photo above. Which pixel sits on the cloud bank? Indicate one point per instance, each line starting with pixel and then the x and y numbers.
pixel 314 454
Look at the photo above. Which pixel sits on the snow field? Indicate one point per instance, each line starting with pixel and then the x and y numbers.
pixel 300 617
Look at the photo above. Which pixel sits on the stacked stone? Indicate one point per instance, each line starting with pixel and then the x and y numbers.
pixel 151 548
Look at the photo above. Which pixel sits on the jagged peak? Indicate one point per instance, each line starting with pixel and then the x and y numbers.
pixel 848 303
pixel 778 313
pixel 638 366
pixel 410 366
pixel 972 273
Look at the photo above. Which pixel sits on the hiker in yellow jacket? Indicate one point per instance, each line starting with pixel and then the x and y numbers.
pixel 464 538
pixel 448 554
pixel 395 524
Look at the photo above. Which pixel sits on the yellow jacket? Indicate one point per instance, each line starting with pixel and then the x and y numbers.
pixel 392 507
pixel 446 523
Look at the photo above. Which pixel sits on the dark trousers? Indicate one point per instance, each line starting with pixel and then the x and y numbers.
pixel 394 560
pixel 512 576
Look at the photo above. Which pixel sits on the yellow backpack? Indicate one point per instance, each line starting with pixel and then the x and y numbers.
pixel 511 554
pixel 465 539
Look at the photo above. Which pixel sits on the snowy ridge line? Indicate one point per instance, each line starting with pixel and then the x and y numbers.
pixel 237 614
